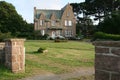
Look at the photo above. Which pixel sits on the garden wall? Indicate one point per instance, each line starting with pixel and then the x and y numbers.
pixel 12 55
pixel 107 60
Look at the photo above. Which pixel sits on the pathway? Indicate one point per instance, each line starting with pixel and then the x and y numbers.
pixel 77 73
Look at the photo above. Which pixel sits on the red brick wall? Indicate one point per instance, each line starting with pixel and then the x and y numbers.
pixel 107 60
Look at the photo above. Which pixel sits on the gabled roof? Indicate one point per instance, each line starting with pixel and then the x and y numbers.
pixel 48 13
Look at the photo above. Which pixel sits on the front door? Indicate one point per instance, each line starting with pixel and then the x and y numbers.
pixel 53 34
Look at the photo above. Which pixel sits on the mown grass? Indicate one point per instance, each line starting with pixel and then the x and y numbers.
pixel 6 74
pixel 61 58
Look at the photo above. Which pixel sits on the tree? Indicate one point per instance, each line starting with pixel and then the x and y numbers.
pixel 101 8
pixel 10 20
pixel 83 23
pixel 111 24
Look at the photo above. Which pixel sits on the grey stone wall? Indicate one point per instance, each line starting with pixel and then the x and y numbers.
pixel 107 60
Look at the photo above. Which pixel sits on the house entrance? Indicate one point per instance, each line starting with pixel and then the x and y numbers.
pixel 53 34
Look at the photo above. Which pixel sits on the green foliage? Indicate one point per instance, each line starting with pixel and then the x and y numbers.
pixel 4 36
pixel 101 8
pixel 10 20
pixel 60 39
pixel 111 24
pixel 105 36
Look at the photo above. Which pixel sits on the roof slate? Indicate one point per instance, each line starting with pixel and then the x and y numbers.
pixel 48 13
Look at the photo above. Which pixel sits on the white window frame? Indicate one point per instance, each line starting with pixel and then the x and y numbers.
pixel 66 23
pixel 70 23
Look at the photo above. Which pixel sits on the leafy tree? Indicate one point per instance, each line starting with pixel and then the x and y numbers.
pixel 83 23
pixel 101 8
pixel 111 24
pixel 10 20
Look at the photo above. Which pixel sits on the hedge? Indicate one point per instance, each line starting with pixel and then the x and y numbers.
pixel 105 36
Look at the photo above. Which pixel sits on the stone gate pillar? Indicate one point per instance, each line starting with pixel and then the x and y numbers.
pixel 15 55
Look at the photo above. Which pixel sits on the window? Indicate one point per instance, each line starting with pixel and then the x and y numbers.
pixel 68 33
pixel 65 22
pixel 41 22
pixel 53 23
pixel 68 23
pixel 68 13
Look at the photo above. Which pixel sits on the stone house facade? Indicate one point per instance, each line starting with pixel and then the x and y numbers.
pixel 55 22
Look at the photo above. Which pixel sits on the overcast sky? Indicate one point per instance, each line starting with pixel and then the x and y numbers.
pixel 25 7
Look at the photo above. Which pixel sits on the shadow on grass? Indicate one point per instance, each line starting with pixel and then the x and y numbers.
pixel 33 52
pixel 91 49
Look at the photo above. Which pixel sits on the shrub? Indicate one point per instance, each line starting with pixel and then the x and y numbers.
pixel 105 36
pixel 60 39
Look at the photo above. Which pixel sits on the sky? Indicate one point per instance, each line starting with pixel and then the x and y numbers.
pixel 25 7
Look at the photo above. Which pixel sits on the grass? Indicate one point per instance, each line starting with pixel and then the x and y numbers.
pixel 60 58
pixel 5 74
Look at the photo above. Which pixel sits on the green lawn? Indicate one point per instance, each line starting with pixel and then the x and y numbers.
pixel 61 58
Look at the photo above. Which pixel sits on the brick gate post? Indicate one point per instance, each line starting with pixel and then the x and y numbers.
pixel 15 55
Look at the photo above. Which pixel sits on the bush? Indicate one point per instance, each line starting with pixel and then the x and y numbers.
pixel 60 39
pixel 105 36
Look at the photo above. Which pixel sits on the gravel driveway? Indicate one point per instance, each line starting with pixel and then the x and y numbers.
pixel 75 74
